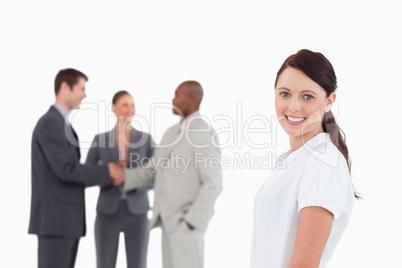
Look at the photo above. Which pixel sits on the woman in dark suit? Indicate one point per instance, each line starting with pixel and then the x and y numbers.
pixel 119 211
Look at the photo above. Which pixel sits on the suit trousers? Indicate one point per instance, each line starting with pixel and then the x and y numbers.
pixel 136 236
pixel 54 251
pixel 183 248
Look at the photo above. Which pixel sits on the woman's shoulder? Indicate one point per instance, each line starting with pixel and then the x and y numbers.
pixel 141 135
pixel 101 135
pixel 325 154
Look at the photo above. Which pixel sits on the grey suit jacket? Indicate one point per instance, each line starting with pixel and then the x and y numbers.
pixel 186 175
pixel 104 150
pixel 59 180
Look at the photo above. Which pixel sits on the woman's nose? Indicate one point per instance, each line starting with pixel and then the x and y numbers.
pixel 295 105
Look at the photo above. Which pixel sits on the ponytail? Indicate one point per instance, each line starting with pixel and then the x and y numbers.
pixel 318 68
pixel 338 138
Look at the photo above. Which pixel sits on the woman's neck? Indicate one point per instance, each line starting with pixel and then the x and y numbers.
pixel 297 141
pixel 123 133
pixel 123 128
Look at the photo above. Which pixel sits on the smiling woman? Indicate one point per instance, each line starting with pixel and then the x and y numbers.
pixel 119 211
pixel 300 104
pixel 304 207
pixel 317 74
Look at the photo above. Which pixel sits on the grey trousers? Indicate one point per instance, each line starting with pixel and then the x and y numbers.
pixel 54 251
pixel 136 236
pixel 183 248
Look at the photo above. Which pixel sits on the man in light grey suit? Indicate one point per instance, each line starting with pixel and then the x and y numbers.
pixel 187 179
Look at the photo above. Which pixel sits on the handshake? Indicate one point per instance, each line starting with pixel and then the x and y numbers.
pixel 116 172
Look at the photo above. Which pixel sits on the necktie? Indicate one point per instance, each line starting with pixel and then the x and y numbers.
pixel 76 145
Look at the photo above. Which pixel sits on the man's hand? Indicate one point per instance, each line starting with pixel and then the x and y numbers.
pixel 116 173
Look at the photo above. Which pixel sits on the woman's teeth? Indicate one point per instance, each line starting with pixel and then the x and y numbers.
pixel 295 119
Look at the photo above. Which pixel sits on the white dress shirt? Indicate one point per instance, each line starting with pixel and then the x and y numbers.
pixel 316 174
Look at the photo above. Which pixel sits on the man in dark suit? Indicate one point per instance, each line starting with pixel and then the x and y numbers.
pixel 58 178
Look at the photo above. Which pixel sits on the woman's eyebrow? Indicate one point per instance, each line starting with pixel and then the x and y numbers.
pixel 310 91
pixel 283 88
pixel 303 91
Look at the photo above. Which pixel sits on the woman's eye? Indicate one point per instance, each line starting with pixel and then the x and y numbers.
pixel 284 94
pixel 308 97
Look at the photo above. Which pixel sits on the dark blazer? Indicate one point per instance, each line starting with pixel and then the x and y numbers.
pixel 104 150
pixel 58 179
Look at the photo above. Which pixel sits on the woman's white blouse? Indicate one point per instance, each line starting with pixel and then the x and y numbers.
pixel 316 174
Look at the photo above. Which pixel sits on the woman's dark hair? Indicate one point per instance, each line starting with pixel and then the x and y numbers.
pixel 118 95
pixel 318 68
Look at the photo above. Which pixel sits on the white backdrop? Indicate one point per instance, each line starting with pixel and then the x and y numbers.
pixel 234 48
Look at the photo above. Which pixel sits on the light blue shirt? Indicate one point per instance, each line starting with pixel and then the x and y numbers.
pixel 123 195
pixel 63 113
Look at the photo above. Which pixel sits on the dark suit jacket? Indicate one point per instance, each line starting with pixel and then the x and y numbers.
pixel 104 150
pixel 58 179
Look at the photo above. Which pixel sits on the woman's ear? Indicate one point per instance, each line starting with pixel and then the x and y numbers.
pixel 113 107
pixel 330 102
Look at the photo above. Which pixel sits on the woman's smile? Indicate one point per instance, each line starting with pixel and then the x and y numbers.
pixel 295 120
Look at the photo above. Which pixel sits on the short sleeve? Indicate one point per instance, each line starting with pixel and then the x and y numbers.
pixel 324 185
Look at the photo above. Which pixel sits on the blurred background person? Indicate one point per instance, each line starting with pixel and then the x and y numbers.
pixel 187 188
pixel 119 211
pixel 59 180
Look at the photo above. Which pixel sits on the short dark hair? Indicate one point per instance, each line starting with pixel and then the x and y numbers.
pixel 70 76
